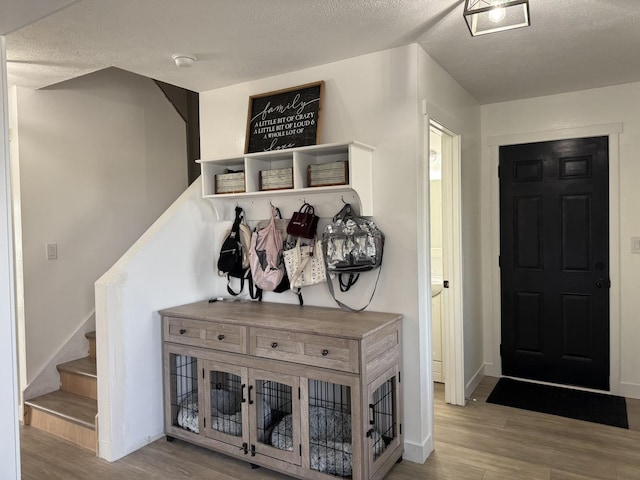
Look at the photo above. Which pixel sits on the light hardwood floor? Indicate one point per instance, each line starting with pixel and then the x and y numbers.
pixel 478 442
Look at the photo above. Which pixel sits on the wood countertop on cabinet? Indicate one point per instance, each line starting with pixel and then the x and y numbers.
pixel 294 318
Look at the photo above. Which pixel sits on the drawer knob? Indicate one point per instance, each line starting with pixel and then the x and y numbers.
pixel 221 337
pixel 274 345
pixel 325 353
pixel 182 331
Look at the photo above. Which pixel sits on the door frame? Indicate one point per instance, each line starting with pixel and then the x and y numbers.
pixel 452 325
pixel 492 341
pixel 9 456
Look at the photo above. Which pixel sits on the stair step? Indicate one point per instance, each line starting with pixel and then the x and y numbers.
pixel 79 377
pixel 65 415
pixel 68 406
pixel 83 366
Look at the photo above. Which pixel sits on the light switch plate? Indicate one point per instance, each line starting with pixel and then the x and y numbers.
pixel 635 244
pixel 52 251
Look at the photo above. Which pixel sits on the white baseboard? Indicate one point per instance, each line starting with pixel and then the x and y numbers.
pixel 144 442
pixel 630 390
pixel 474 382
pixel 492 370
pixel 104 450
pixel 418 453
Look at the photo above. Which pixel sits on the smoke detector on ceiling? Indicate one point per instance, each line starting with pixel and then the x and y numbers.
pixel 184 59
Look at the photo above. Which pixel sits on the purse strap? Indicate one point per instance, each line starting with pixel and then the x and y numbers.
pixel 307 208
pixel 302 263
pixel 344 306
pixel 345 212
pixel 235 231
pixel 247 275
pixel 351 281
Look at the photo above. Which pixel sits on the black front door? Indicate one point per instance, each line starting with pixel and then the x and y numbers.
pixel 554 261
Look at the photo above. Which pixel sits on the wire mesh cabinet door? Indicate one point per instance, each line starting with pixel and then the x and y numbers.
pixel 274 411
pixel 384 430
pixel 333 442
pixel 182 393
pixel 225 404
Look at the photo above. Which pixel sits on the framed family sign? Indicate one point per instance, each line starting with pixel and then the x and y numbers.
pixel 284 118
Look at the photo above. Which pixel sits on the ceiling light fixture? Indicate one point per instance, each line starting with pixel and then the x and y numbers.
pixel 489 16
pixel 184 59
pixel 496 15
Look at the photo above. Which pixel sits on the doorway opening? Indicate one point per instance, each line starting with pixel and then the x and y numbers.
pixel 435 222
pixel 445 274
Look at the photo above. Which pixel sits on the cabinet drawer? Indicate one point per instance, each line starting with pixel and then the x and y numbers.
pixel 218 336
pixel 308 349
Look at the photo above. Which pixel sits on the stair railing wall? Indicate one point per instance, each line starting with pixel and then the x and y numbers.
pixel 172 263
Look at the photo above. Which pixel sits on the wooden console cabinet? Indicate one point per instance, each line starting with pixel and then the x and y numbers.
pixel 311 392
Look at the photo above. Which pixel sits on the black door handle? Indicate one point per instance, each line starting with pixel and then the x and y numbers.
pixel 600 283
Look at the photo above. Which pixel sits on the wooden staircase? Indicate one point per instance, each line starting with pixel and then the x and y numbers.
pixel 71 412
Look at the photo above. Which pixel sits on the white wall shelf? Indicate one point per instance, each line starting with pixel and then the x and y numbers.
pixel 358 190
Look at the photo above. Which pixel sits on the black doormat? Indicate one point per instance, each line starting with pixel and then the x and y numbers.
pixel 588 406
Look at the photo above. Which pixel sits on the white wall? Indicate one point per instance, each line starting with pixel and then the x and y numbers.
pixel 545 117
pixel 101 157
pixel 171 264
pixel 10 451
pixel 371 99
pixel 374 99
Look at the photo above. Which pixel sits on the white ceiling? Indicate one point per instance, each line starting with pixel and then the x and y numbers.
pixel 15 14
pixel 571 45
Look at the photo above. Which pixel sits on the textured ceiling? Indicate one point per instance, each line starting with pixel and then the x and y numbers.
pixel 15 14
pixel 571 45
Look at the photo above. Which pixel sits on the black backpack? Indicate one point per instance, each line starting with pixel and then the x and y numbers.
pixel 233 261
